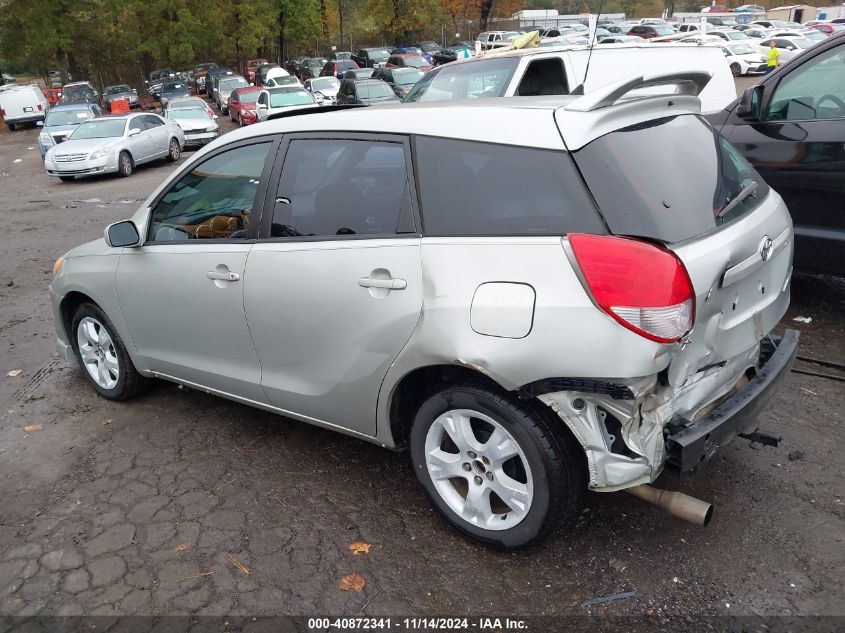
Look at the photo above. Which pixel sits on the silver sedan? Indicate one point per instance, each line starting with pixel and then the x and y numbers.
pixel 115 145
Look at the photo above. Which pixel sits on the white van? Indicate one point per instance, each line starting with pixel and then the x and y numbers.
pixel 558 71
pixel 22 104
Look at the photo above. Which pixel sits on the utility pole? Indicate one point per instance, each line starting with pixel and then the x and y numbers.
pixel 281 37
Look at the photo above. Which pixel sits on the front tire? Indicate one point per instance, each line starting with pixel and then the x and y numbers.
pixel 174 151
pixel 102 356
pixel 125 165
pixel 503 472
pixel 736 70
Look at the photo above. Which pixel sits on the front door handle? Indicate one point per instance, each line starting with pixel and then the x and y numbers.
pixel 389 284
pixel 222 276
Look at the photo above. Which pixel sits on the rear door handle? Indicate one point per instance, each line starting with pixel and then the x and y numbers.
pixel 389 284
pixel 222 276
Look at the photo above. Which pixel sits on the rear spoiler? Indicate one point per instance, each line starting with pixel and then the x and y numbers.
pixel 687 82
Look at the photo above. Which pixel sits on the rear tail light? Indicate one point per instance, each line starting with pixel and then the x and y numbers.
pixel 40 108
pixel 642 286
pixel 2 113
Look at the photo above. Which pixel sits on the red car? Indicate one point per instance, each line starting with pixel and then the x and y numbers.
pixel 251 66
pixel 241 104
pixel 648 31
pixel 408 60
pixel 828 28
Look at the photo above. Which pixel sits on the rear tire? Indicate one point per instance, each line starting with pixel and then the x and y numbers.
pixel 66 178
pixel 506 493
pixel 736 70
pixel 125 164
pixel 11 126
pixel 102 356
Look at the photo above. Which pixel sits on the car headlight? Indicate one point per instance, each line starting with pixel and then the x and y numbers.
pixel 213 128
pixel 45 138
pixel 57 267
pixel 100 153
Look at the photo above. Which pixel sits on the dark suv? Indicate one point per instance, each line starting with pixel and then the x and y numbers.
pixel 369 57
pixel 791 127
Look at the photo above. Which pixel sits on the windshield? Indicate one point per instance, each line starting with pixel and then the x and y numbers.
pixel 407 77
pixel 664 30
pixel 740 49
pixel 325 83
pixel 728 21
pixel 474 80
pixel 736 35
pixel 290 98
pixel 373 90
pixel 231 84
pixel 802 42
pixel 114 90
pixel 67 117
pixel 102 128
pixel 76 91
pixel 415 62
pixel 174 87
pixel 635 196
pixel 187 103
pixel 248 97
pixel 379 53
pixel 194 114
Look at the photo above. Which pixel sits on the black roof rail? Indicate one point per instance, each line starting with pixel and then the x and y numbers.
pixel 314 110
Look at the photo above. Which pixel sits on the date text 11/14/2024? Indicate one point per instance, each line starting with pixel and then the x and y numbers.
pixel 416 624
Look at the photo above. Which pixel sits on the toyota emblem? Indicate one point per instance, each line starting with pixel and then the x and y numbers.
pixel 766 248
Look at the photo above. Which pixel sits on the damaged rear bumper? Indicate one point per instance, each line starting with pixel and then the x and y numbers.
pixel 690 444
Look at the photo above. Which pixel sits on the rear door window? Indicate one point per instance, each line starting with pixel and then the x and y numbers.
pixel 679 191
pixel 472 188
pixel 343 187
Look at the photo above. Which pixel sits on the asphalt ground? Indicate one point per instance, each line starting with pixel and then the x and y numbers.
pixel 184 503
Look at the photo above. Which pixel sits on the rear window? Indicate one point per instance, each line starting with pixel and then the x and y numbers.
pixel 690 175
pixel 479 79
pixel 472 188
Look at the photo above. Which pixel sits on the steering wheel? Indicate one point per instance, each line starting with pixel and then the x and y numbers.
pixel 836 100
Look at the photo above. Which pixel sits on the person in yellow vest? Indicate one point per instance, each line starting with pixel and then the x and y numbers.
pixel 774 57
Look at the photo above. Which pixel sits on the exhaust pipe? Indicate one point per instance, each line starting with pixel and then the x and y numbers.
pixel 676 503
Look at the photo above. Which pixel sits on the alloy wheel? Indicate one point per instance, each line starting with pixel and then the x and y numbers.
pixel 478 469
pixel 174 150
pixel 125 165
pixel 98 353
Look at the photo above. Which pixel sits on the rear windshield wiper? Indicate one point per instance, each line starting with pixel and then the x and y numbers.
pixel 747 190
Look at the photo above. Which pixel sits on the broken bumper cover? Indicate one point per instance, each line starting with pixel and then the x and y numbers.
pixel 690 444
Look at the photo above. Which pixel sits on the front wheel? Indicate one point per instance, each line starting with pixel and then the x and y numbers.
pixel 125 166
pixel 103 357
pixel 499 470
pixel 736 70
pixel 174 151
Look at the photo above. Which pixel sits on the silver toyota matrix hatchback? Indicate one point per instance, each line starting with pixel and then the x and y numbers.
pixel 536 296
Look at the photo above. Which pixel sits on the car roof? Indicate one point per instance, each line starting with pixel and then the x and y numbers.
pixel 244 90
pixel 285 88
pixel 72 106
pixel 78 83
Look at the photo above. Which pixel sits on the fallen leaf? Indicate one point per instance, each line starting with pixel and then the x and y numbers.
pixel 352 582
pixel 359 547
pixel 199 575
pixel 14 372
pixel 182 547
pixel 239 565
pixel 107 421
pixel 31 428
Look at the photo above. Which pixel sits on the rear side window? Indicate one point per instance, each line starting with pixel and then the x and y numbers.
pixel 472 188
pixel 691 174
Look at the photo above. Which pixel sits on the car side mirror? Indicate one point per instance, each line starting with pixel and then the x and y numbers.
pixel 750 103
pixel 122 234
pixel 790 48
pixel 134 131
